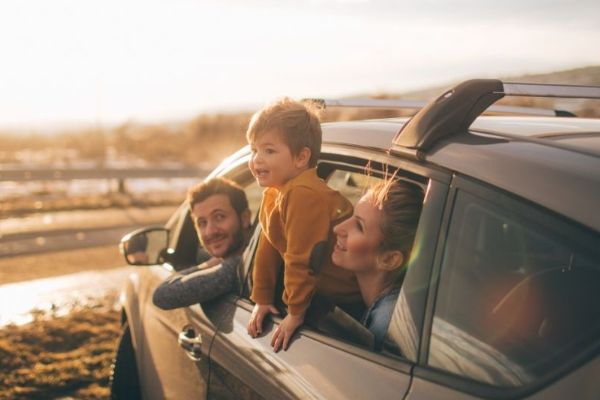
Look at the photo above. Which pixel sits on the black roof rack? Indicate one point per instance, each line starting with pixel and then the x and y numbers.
pixel 389 104
pixel 456 109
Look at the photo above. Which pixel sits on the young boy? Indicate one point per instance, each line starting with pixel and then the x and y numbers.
pixel 297 214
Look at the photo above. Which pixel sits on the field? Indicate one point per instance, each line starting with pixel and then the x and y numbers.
pixel 60 357
pixel 206 139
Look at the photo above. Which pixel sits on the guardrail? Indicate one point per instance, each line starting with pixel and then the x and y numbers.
pixel 65 174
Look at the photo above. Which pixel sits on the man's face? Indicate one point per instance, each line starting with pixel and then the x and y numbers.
pixel 219 227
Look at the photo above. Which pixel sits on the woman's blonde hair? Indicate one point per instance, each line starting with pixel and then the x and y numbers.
pixel 401 203
pixel 297 123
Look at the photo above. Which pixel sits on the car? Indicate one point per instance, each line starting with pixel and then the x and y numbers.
pixel 501 299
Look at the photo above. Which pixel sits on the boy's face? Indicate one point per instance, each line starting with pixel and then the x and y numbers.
pixel 272 162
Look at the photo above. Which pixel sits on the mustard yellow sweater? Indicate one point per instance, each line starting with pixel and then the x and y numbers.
pixel 297 222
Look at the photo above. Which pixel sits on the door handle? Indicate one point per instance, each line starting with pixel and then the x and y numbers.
pixel 191 343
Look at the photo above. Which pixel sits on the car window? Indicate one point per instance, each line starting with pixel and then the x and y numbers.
pixel 186 249
pixel 515 300
pixel 322 315
pixel 351 184
pixel 254 195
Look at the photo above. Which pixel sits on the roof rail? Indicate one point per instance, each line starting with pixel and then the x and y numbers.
pixel 370 103
pixel 389 104
pixel 456 109
pixel 547 90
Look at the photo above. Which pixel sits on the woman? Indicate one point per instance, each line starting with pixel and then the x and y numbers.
pixel 375 244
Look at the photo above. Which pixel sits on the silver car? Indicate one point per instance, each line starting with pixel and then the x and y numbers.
pixel 501 300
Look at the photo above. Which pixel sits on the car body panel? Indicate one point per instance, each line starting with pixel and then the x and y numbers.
pixel 163 366
pixel 525 169
pixel 565 182
pixel 308 369
pixel 583 382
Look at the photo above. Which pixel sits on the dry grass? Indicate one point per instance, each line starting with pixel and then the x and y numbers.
pixel 66 357
pixel 60 357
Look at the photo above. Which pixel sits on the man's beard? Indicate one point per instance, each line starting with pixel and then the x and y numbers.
pixel 237 243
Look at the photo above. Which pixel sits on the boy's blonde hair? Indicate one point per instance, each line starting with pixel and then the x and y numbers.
pixel 297 123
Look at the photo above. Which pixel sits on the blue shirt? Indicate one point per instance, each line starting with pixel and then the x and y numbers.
pixel 377 317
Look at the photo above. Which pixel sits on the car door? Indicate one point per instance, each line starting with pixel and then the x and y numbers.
pixel 320 363
pixel 514 310
pixel 164 366
pixel 179 340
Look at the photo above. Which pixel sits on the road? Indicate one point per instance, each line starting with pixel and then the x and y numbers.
pixel 59 295
pixel 36 242
pixel 68 230
pixel 53 232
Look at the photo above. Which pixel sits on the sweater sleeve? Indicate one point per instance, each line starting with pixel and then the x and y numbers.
pixel 196 285
pixel 267 263
pixel 307 223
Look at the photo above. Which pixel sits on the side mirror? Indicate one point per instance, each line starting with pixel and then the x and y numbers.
pixel 146 246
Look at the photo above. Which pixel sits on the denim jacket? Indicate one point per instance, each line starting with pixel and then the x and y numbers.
pixel 377 317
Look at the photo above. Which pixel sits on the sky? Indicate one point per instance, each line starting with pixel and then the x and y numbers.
pixel 112 61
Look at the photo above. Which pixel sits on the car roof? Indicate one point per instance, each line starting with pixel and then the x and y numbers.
pixel 554 162
pixel 581 134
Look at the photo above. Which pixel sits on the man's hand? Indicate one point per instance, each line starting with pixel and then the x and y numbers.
pixel 259 313
pixel 210 263
pixel 284 332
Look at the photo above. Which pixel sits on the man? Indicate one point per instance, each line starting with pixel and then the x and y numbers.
pixel 219 209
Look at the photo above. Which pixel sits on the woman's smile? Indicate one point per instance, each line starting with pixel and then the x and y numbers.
pixel 358 238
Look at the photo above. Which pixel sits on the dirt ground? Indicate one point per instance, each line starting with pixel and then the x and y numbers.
pixel 67 357
pixel 56 356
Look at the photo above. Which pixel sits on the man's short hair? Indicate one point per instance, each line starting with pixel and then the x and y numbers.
pixel 297 124
pixel 202 191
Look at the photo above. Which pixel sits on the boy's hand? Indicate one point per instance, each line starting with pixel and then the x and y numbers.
pixel 284 332
pixel 259 313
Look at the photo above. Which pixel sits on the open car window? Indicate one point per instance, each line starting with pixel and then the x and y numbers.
pixel 185 248
pixel 323 316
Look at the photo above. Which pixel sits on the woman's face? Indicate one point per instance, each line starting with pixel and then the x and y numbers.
pixel 358 238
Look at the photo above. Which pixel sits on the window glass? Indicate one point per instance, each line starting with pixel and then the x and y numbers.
pixel 404 332
pixel 515 302
pixel 351 184
pixel 254 195
pixel 244 178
